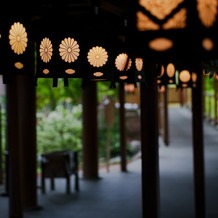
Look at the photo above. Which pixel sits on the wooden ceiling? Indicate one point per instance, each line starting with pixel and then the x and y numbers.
pixel 75 14
pixel 39 8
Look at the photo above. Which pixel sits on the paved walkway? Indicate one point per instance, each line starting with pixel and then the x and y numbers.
pixel 176 168
pixel 118 195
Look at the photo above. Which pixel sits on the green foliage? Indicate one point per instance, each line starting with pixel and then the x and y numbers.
pixel 112 134
pixel 209 93
pixel 105 90
pixel 211 68
pixel 3 127
pixel 208 83
pixel 48 97
pixel 59 129
pixel 59 124
pixel 107 134
pixel 114 139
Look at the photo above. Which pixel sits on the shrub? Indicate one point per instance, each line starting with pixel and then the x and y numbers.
pixel 60 129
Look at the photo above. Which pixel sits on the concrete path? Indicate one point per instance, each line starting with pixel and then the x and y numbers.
pixel 118 195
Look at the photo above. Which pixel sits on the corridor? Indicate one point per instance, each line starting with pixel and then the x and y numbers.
pixel 118 195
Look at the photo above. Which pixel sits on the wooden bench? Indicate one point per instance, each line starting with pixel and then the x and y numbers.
pixel 59 164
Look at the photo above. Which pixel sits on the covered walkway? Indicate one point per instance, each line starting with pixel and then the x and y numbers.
pixel 118 194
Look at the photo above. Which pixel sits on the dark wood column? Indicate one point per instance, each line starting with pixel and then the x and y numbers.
pixel 166 117
pixel 163 118
pixel 122 128
pixel 27 129
pixel 14 147
pixel 198 148
pixel 149 147
pixel 21 139
pixel 90 126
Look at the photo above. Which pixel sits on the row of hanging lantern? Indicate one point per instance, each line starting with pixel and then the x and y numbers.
pixel 63 54
pixel 121 67
pixel 180 75
pixel 92 51
pixel 180 29
pixel 95 63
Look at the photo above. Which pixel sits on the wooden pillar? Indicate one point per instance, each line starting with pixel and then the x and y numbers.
pixel 198 149
pixel 149 147
pixel 14 147
pixel 163 121
pixel 166 123
pixel 90 139
pixel 27 122
pixel 122 128
pixel 160 105
pixel 21 139
pixel 181 97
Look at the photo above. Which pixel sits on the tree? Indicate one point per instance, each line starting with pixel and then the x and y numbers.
pixel 48 97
